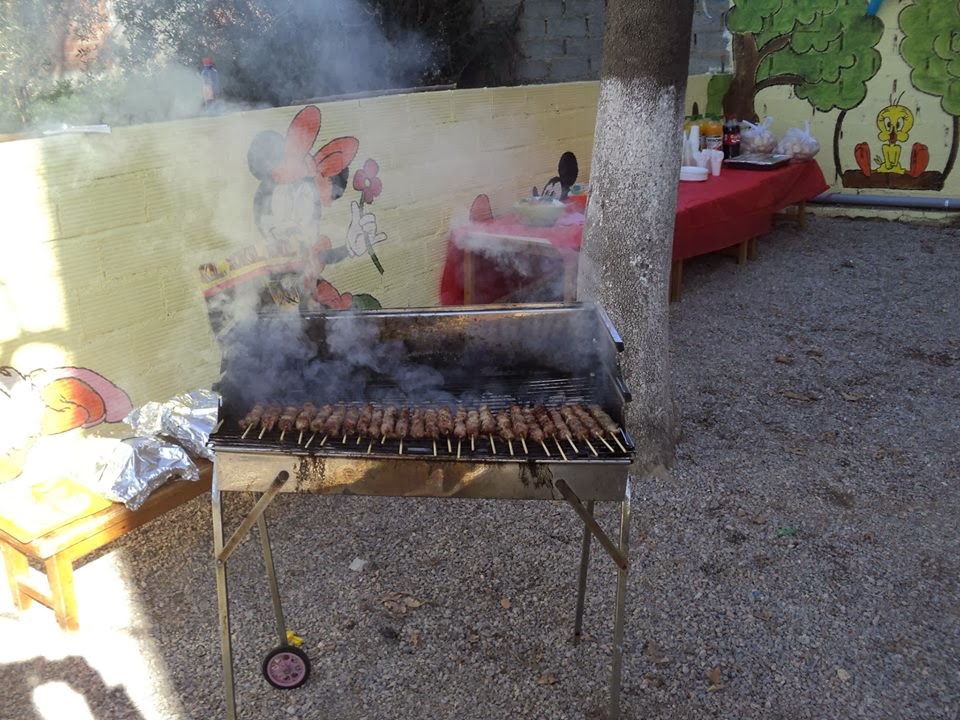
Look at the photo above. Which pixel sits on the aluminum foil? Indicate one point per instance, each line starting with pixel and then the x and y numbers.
pixel 188 418
pixel 138 466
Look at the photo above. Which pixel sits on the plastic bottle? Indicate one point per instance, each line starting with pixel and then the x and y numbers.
pixel 711 133
pixel 731 138
pixel 210 85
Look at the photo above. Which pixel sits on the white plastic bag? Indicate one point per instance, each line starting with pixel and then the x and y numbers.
pixel 799 144
pixel 758 138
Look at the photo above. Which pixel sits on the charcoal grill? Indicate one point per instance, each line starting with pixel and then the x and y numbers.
pixel 492 354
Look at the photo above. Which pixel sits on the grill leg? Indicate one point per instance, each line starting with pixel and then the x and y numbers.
pixel 272 579
pixel 582 585
pixel 618 621
pixel 223 604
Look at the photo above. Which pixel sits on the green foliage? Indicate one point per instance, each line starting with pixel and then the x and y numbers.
pixel 930 47
pixel 826 49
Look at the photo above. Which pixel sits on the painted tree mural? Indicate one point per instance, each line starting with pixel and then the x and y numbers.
pixel 930 47
pixel 824 49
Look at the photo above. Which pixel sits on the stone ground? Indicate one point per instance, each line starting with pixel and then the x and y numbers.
pixel 799 561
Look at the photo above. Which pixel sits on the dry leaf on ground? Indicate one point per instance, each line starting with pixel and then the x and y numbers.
pixel 794 395
pixel 784 359
pixel 505 603
pixel 655 654
pixel 548 678
pixel 398 603
pixel 843 675
pixel 851 397
pixel 715 680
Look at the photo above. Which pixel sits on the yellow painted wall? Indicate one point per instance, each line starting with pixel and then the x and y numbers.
pixel 933 127
pixel 103 234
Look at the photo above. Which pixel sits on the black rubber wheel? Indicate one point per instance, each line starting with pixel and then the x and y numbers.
pixel 286 667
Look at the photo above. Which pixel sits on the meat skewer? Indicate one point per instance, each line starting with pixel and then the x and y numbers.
pixel 473 427
pixel 388 424
pixel 430 427
pixel 251 419
pixel 350 421
pixel 417 430
pixel 578 429
pixel 302 423
pixel 488 426
pixel 287 418
pixel 607 423
pixel 562 429
pixel 363 422
pixel 506 432
pixel 534 431
pixel 319 420
pixel 460 428
pixel 592 425
pixel 331 427
pixel 402 426
pixel 519 426
pixel 269 418
pixel 445 425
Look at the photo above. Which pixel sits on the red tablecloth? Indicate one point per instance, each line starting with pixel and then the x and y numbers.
pixel 713 215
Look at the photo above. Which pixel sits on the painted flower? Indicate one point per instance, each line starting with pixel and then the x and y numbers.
pixel 366 181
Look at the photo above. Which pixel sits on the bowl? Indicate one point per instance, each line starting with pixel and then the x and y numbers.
pixel 692 173
pixel 540 212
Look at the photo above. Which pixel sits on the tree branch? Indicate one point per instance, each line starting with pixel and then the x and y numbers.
pixel 775 45
pixel 785 79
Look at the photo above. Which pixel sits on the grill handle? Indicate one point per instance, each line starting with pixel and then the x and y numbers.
pixel 622 386
pixel 614 335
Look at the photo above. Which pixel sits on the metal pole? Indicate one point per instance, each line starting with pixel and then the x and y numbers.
pixel 223 604
pixel 618 621
pixel 272 579
pixel 582 585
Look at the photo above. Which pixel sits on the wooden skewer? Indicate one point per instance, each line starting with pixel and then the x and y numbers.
pixel 545 448
pixel 560 448
pixel 359 438
pixel 449 447
pixel 370 446
pixel 401 447
pixel 262 431
pixel 219 425
pixel 604 441
pixel 322 442
pixel 282 433
pixel 575 448
pixel 473 447
pixel 510 445
pixel 309 441
pixel 344 440
pixel 300 439
pixel 383 439
pixel 244 436
pixel 524 443
pixel 592 448
pixel 619 443
pixel 493 445
pixel 458 448
pixel 434 447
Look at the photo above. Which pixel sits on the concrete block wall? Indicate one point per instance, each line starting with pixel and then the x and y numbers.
pixel 104 234
pixel 562 40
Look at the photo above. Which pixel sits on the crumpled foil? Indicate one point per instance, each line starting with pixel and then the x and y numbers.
pixel 138 466
pixel 188 418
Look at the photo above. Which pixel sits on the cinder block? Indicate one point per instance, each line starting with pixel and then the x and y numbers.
pixel 120 305
pixel 101 205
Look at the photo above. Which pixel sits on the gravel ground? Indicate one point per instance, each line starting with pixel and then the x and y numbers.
pixel 799 561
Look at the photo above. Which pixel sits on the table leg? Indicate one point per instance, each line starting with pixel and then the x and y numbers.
pixel 619 618
pixel 569 276
pixel 59 570
pixel 17 569
pixel 223 602
pixel 752 248
pixel 468 271
pixel 582 584
pixel 742 251
pixel 802 214
pixel 676 280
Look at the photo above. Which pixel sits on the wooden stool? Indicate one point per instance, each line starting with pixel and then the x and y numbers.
pixel 59 522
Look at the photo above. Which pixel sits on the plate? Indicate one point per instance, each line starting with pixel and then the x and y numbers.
pixel 691 173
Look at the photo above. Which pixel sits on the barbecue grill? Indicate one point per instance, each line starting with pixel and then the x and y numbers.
pixel 492 356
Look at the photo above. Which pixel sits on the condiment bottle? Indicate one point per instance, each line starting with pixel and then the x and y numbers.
pixel 711 133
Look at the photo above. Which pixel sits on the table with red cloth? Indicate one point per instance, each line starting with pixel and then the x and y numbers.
pixel 723 212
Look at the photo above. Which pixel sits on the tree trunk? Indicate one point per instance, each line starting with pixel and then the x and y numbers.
pixel 746 59
pixel 953 149
pixel 628 236
pixel 837 130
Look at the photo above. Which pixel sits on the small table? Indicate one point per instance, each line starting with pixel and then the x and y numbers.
pixel 725 213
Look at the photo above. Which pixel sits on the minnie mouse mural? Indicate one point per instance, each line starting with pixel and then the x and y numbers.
pixel 296 184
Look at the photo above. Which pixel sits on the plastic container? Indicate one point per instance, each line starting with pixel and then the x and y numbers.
pixel 711 133
pixel 731 138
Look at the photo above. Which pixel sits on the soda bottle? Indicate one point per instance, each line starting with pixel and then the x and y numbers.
pixel 210 85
